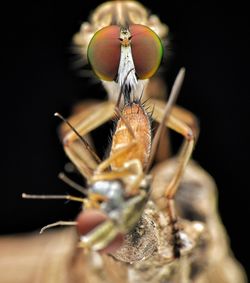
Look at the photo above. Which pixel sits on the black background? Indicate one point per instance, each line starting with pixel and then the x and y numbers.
pixel 212 42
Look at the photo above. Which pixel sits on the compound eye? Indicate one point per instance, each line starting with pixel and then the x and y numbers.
pixel 104 52
pixel 147 51
pixel 88 220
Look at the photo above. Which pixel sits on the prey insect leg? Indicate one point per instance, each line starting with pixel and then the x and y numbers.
pixel 66 197
pixel 58 223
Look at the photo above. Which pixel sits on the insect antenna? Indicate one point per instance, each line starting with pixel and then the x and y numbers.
pixel 58 223
pixel 84 142
pixel 66 197
pixel 72 184
pixel 171 101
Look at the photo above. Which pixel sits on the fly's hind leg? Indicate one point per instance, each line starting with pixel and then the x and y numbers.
pixel 184 123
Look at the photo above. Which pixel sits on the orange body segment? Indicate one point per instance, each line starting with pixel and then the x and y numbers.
pixel 136 117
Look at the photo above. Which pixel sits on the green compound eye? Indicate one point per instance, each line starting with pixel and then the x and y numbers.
pixel 104 52
pixel 147 51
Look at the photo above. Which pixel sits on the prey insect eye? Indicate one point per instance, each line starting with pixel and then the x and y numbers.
pixel 104 52
pixel 147 51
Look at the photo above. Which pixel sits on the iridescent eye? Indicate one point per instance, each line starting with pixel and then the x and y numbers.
pixel 104 52
pixel 147 51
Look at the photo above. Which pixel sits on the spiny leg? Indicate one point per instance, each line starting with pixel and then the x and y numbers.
pixel 182 114
pixel 81 138
pixel 89 119
pixel 172 187
pixel 181 120
pixel 181 126
pixel 165 114
pixel 157 89
pixel 93 116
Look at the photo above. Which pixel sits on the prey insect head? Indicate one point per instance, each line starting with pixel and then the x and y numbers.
pixel 112 191
pixel 114 50
pixel 104 227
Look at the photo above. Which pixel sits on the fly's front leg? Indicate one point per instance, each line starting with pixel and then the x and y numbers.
pixel 184 123
pixel 77 149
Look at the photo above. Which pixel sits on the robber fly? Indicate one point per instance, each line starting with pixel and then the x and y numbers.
pixel 126 53
pixel 118 38
pixel 131 24
pixel 123 45
pixel 119 186
pixel 130 173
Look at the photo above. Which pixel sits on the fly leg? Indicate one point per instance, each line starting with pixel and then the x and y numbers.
pixel 184 123
pixel 76 147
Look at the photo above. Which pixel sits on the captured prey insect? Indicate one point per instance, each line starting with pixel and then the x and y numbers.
pixel 118 187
